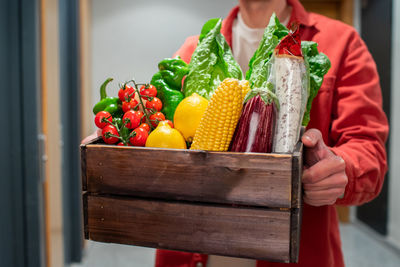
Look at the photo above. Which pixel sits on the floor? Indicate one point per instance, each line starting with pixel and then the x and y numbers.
pixel 361 247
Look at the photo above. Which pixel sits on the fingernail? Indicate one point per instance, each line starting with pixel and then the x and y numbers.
pixel 308 138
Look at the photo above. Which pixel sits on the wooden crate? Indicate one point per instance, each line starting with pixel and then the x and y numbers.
pixel 223 203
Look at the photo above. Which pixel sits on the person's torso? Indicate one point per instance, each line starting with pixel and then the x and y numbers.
pixel 320 242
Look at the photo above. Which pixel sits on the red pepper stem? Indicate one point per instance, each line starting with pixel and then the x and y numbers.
pixel 103 93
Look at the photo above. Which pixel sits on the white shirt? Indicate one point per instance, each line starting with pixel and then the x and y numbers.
pixel 245 41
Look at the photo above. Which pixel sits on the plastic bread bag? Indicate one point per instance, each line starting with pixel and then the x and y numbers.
pixel 291 88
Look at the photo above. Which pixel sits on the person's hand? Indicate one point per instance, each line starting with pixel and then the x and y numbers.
pixel 89 138
pixel 324 178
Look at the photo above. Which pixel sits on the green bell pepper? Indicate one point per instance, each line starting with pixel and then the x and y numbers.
pixel 106 103
pixel 169 96
pixel 173 70
pixel 168 82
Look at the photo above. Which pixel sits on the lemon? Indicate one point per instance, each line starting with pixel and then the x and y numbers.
pixel 188 115
pixel 166 137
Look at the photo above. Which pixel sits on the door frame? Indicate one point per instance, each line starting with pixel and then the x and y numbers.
pixel 379 42
pixel 21 184
pixel 70 93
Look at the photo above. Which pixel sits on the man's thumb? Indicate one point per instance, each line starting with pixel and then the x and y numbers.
pixel 312 138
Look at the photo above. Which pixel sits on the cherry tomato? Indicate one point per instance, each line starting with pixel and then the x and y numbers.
pixel 154 103
pixel 109 134
pixel 156 118
pixel 145 126
pixel 140 137
pixel 101 119
pixel 132 119
pixel 126 94
pixel 148 90
pixel 120 144
pixel 131 105
pixel 170 123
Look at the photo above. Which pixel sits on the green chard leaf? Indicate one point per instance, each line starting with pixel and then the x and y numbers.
pixel 266 95
pixel 318 65
pixel 211 62
pixel 260 65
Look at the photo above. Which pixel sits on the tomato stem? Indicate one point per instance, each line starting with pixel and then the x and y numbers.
pixel 141 103
pixel 132 134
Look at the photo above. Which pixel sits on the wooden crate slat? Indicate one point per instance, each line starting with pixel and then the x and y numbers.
pixel 297 165
pixel 295 231
pixel 250 179
pixel 296 212
pixel 221 230
pixel 83 167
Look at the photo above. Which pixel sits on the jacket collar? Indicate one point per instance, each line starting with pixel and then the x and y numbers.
pixel 299 14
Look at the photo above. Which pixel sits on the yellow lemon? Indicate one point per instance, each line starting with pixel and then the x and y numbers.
pixel 166 137
pixel 188 115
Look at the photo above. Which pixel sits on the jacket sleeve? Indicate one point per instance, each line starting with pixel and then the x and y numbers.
pixel 359 126
pixel 187 49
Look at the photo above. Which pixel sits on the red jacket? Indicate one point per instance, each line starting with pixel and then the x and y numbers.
pixel 348 112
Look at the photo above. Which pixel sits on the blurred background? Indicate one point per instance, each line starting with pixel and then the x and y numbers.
pixel 54 55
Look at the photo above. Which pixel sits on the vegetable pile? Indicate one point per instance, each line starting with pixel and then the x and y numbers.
pixel 130 118
pixel 210 105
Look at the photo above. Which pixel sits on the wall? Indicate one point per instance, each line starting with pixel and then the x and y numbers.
pixel 130 37
pixel 394 167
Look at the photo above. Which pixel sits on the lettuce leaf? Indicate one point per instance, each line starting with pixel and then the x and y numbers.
pixel 318 65
pixel 211 62
pixel 259 65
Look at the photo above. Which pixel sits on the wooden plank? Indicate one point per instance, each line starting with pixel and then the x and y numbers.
pixel 336 9
pixel 297 171
pixel 83 167
pixel 85 67
pixel 85 215
pixel 44 124
pixel 347 11
pixel 295 219
pixel 49 69
pixel 327 8
pixel 240 178
pixel 295 232
pixel 221 230
pixel 343 213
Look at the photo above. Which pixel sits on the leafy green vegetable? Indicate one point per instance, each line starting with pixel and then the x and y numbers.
pixel 260 64
pixel 266 94
pixel 318 65
pixel 211 62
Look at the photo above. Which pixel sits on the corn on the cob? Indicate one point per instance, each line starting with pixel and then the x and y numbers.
pixel 221 116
